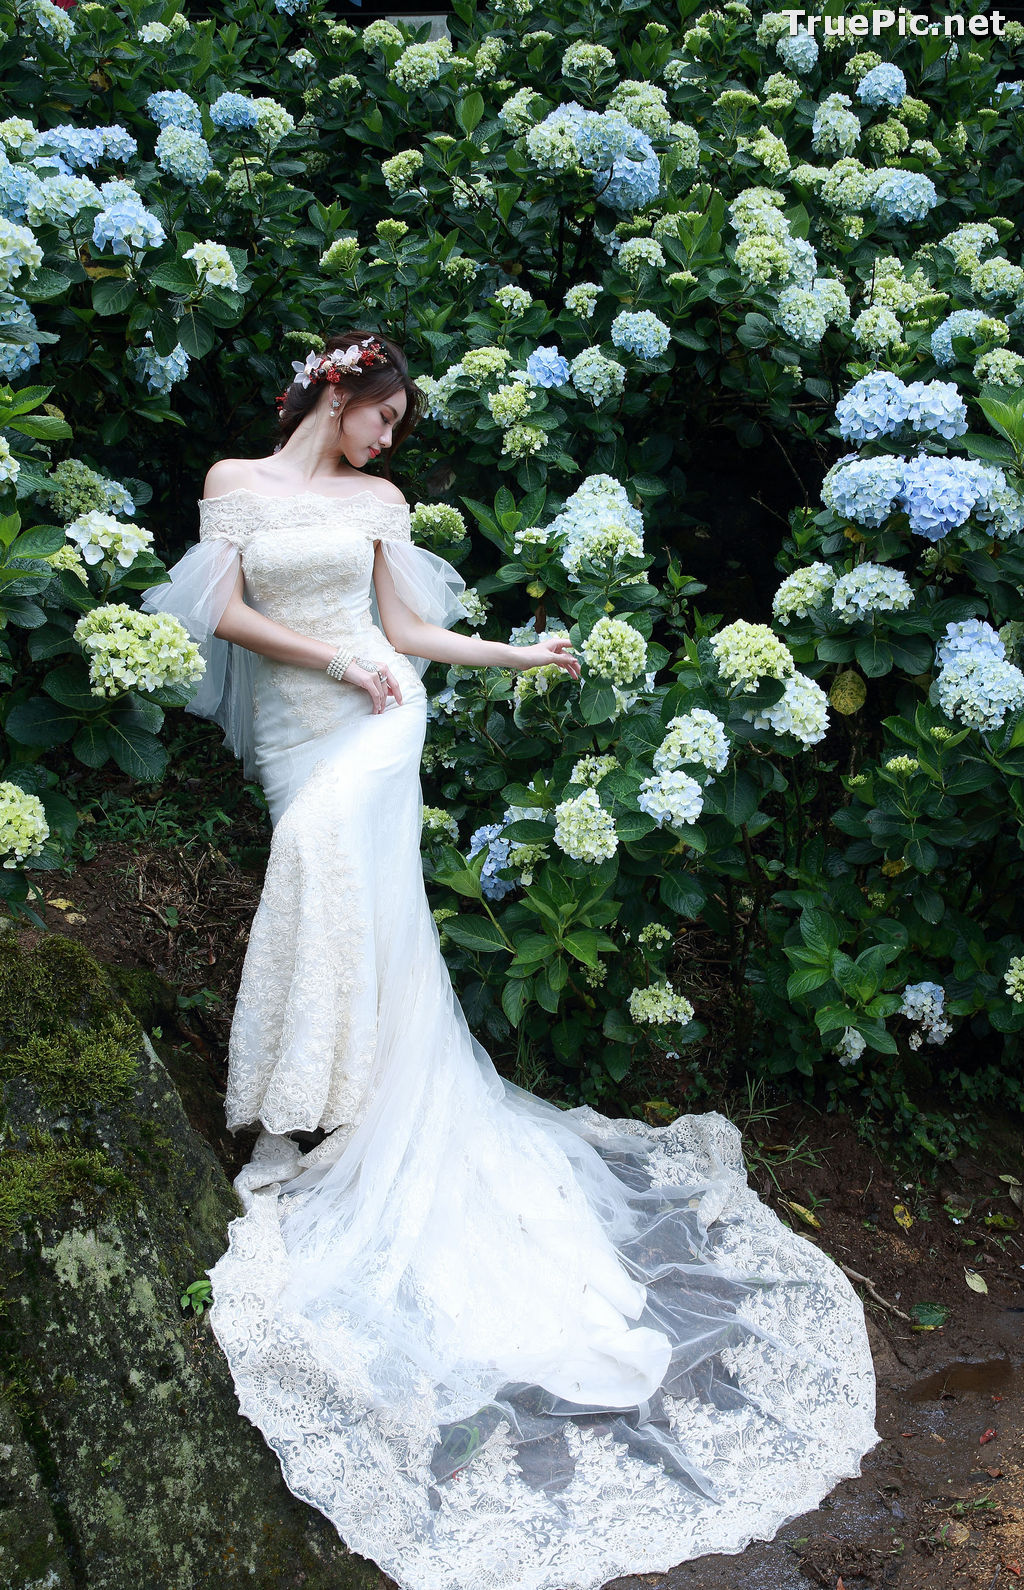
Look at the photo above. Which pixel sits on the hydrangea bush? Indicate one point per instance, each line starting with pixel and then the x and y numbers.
pixel 598 236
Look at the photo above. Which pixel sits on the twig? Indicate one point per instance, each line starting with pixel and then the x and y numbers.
pixel 873 1291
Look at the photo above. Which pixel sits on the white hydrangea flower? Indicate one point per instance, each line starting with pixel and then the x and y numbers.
pixel 131 650
pixel 515 301
pixel 871 588
pixel 106 541
pixel 659 1005
pixel 23 826
pixel 672 797
pixel 802 711
pixel 476 606
pixel 10 468
pixel 615 650
pixel 1013 977
pixel 511 402
pixel 439 824
pixel 747 653
pixel 214 265
pixel 583 829
pixel 590 770
pixel 850 1046
pixel 803 590
pixel 695 736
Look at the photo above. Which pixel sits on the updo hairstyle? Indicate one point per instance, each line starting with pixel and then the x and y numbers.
pixel 369 386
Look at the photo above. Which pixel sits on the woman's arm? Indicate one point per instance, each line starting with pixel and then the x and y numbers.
pixel 408 633
pixel 246 627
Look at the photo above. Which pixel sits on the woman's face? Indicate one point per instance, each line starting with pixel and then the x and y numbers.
pixel 367 428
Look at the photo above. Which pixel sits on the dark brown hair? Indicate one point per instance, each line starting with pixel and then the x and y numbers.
pixel 370 386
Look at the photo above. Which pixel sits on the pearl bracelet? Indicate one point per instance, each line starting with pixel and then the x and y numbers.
pixel 340 661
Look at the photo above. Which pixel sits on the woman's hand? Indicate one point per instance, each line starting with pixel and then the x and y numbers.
pixel 546 652
pixel 377 689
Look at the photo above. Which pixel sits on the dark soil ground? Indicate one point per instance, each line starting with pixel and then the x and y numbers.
pixel 940 1502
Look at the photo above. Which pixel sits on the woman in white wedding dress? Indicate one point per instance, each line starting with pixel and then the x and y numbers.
pixel 502 1346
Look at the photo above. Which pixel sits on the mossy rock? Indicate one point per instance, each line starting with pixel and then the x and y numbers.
pixel 127 1461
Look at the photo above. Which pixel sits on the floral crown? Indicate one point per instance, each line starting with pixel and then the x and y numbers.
pixel 332 366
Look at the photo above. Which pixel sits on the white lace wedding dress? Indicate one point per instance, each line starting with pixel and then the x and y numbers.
pixel 500 1345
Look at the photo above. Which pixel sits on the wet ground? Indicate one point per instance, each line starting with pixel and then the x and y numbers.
pixel 940 1500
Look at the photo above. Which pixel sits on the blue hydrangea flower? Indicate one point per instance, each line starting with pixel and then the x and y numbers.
pixel 16 358
pixel 640 332
pixel 125 225
pixel 159 371
pixel 970 635
pixel 939 494
pixel 961 323
pixel 292 7
pixel 865 490
pixel 936 406
pixel 979 689
pixel 489 837
pixel 233 111
pixel 883 85
pixel 186 155
pixel 875 406
pixel 602 136
pixel 78 146
pixel 17 185
pixel 801 316
pixel 634 183
pixel 547 367
pixel 118 143
pixel 902 196
pixel 171 108
pixel 881 405
pixel 799 51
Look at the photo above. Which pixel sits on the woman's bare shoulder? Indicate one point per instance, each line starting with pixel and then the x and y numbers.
pixel 228 474
pixel 386 490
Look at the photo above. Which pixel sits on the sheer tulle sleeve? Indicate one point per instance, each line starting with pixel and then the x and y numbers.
pixel 201 585
pixel 428 586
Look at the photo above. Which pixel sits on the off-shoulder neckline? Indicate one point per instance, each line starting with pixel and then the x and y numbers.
pixel 295 496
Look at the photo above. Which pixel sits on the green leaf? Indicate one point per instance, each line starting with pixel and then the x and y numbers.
pixel 597 703
pixel 137 752
pixel 987 447
pixel 175 277
pixel 633 826
pixel 39 542
pixel 112 295
pixel 533 947
pixel 527 830
pixel 819 932
pixel 195 334
pixel 40 722
pixel 91 744
pixel 616 1064
pixel 618 1027
pixel 45 283
pixel 681 893
pixel 801 983
pixel 464 882
pixel 585 944
pixel 469 112
pixel 475 933
pixel 515 996
pixel 70 686
pixel 874 656
pixel 46 427
pixel 734 794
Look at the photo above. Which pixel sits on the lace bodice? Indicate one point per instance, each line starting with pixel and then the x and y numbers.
pixel 307 559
